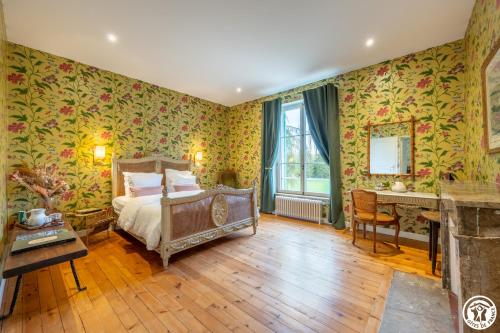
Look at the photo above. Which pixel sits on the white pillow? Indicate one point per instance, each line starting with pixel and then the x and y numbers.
pixel 170 176
pixel 141 179
pixel 179 179
pixel 181 172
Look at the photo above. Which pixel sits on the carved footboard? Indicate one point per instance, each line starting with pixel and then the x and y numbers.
pixel 190 221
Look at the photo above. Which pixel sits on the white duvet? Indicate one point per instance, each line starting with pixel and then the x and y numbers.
pixel 141 216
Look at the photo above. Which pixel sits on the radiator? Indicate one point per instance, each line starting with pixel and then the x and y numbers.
pixel 301 208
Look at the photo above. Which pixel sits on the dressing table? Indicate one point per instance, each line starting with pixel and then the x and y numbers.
pixel 391 152
pixel 418 199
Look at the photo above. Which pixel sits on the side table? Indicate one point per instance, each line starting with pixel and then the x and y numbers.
pixel 19 264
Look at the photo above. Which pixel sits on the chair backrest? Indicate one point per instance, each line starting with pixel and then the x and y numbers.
pixel 228 178
pixel 364 201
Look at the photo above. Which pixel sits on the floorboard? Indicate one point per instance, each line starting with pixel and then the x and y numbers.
pixel 290 276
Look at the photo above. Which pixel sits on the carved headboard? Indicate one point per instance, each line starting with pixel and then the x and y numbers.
pixel 154 163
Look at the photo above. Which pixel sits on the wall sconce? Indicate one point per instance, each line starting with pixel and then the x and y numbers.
pixel 197 158
pixel 99 153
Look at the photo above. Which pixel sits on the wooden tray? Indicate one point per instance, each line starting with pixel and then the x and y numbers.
pixel 46 225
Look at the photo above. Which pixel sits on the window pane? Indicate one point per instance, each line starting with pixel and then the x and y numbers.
pixel 290 149
pixel 317 178
pixel 291 122
pixel 317 172
pixel 311 155
pixel 290 177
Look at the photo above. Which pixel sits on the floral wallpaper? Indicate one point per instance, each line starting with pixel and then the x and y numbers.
pixel 427 84
pixel 3 135
pixel 60 109
pixel 395 129
pixel 482 33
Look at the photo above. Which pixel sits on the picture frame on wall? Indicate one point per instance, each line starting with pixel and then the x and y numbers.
pixel 491 99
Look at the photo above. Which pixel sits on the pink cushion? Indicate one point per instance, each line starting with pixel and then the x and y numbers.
pixel 190 187
pixel 142 191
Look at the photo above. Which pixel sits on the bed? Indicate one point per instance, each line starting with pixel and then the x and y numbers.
pixel 173 222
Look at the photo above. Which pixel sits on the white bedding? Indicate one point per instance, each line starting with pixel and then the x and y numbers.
pixel 120 202
pixel 142 215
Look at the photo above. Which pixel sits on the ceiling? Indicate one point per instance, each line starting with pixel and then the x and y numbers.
pixel 210 48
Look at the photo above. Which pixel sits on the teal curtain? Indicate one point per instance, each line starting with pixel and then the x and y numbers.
pixel 322 112
pixel 270 138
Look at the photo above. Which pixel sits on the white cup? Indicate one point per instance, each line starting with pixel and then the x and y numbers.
pixel 56 216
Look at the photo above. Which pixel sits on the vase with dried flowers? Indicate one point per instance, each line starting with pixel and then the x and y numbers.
pixel 42 180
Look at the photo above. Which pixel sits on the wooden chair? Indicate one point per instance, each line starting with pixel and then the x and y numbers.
pixel 228 178
pixel 365 211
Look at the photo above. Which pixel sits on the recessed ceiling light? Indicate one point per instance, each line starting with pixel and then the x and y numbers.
pixel 238 90
pixel 112 38
pixel 369 42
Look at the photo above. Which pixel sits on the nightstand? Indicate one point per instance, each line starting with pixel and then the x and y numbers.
pixel 93 222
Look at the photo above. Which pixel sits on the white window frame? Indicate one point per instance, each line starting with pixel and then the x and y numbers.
pixel 302 163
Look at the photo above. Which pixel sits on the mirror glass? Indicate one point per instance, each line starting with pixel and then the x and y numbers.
pixel 390 149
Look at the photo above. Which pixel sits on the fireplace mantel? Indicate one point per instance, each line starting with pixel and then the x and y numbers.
pixel 470 233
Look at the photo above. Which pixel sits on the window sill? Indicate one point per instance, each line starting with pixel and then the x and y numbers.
pixel 305 196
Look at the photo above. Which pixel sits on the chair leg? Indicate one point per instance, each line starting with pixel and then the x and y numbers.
pixel 374 238
pixel 430 240
pixel 364 230
pixel 354 227
pixel 396 236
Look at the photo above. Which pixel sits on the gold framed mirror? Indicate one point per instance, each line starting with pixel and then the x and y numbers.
pixel 391 148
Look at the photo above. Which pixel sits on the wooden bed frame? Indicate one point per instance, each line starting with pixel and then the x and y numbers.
pixel 209 215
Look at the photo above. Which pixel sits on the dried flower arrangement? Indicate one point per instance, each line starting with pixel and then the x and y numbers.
pixel 42 180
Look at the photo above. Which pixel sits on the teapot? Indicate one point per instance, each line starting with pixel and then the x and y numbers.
pixel 37 217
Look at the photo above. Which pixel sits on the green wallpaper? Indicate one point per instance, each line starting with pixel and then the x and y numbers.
pixel 482 33
pixel 3 134
pixel 60 109
pixel 427 84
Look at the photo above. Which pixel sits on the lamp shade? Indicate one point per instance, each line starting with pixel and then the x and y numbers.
pixel 99 152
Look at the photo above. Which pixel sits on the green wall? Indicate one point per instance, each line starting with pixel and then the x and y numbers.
pixel 3 135
pixel 60 109
pixel 482 33
pixel 426 84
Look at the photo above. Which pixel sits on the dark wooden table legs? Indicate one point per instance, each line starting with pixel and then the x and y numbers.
pixel 18 285
pixel 434 243
pixel 75 275
pixel 430 240
pixel 434 219
pixel 14 297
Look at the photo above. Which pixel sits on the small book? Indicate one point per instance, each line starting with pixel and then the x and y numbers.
pixel 37 240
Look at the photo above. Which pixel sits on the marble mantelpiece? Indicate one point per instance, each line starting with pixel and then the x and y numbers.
pixel 472 194
pixel 470 233
pixel 473 208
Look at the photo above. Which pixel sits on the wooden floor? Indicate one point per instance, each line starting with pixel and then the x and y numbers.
pixel 290 276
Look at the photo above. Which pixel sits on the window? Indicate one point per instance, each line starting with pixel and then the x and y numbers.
pixel 301 169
